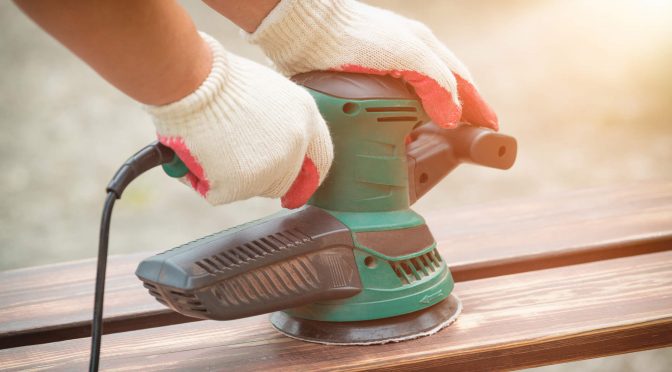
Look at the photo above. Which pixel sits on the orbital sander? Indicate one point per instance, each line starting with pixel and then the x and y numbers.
pixel 356 265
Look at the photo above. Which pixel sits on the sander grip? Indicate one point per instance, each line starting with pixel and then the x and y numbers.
pixel 434 152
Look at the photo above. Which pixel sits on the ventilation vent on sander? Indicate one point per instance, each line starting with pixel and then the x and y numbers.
pixel 283 261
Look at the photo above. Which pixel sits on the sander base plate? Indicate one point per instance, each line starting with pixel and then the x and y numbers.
pixel 420 323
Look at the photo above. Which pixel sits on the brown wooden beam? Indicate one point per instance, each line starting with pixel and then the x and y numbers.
pixel 53 303
pixel 513 321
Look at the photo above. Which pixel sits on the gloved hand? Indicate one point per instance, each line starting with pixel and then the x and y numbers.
pixel 345 35
pixel 247 131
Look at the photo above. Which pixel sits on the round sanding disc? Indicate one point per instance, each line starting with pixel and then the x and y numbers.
pixel 371 332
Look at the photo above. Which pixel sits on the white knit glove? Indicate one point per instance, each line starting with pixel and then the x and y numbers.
pixel 345 35
pixel 247 131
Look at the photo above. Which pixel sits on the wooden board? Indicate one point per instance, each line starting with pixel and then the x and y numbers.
pixel 512 321
pixel 52 303
pixel 55 302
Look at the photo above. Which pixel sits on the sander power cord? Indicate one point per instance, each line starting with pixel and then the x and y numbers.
pixel 150 156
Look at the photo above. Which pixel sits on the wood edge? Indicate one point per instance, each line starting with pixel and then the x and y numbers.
pixel 117 324
pixel 90 261
pixel 587 192
pixel 463 272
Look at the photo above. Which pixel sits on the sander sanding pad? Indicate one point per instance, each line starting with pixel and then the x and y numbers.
pixel 421 323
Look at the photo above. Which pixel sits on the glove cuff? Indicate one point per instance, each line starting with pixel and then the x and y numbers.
pixel 181 112
pixel 296 34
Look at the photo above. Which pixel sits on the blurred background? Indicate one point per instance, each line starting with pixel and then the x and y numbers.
pixel 585 86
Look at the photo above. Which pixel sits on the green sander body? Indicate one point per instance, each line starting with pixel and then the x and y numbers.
pixel 356 265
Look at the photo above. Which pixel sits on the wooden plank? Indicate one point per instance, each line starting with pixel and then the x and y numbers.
pixel 557 230
pixel 52 303
pixel 512 321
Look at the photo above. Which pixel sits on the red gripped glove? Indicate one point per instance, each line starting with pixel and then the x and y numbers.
pixel 345 35
pixel 247 131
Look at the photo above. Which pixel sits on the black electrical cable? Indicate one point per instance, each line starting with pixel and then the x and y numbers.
pixel 149 157
pixel 97 328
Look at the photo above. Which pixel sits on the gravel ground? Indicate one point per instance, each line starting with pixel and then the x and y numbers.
pixel 586 88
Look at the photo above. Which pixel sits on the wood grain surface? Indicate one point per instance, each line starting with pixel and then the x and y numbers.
pixel 51 303
pixel 511 321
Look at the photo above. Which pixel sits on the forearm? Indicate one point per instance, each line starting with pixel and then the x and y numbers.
pixel 148 49
pixel 247 14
